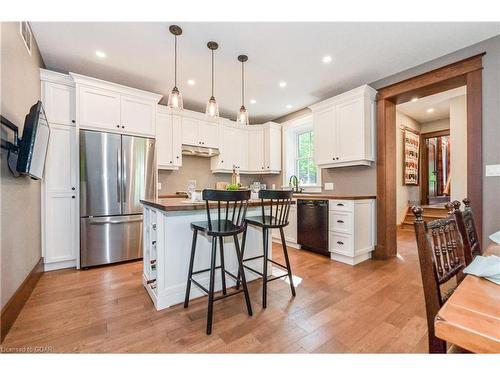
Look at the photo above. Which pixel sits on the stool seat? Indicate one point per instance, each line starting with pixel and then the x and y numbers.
pixel 265 221
pixel 219 227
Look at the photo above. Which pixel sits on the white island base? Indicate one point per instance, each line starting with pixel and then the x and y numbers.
pixel 167 249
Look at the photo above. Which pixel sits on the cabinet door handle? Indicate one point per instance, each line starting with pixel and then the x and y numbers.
pixel 123 127
pixel 73 121
pixel 153 243
pixel 73 197
pixel 73 188
pixel 154 226
pixel 340 204
pixel 177 157
pixel 340 221
pixel 340 242
pixel 117 126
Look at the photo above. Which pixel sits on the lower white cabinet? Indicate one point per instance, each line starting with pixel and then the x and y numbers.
pixel 290 231
pixel 168 139
pixel 351 230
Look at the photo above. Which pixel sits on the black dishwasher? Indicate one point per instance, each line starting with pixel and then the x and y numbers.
pixel 312 225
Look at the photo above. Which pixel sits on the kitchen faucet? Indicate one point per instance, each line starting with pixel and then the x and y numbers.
pixel 294 182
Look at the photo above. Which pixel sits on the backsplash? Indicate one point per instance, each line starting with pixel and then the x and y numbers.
pixel 198 168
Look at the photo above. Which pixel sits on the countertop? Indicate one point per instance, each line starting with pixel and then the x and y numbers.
pixel 179 204
pixel 331 196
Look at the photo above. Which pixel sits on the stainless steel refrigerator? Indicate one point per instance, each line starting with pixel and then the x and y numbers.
pixel 116 171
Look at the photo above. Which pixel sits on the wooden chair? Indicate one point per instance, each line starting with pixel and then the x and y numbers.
pixel 441 254
pixel 230 222
pixel 467 228
pixel 279 202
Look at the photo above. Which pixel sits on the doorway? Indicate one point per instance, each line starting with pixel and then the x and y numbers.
pixel 467 73
pixel 436 163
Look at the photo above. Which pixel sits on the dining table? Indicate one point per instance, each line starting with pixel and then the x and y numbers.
pixel 470 318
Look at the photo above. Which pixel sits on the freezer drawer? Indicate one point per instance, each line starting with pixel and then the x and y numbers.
pixel 111 239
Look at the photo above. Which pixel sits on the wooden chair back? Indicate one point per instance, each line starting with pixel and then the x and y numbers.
pixel 440 252
pixel 279 203
pixel 231 208
pixel 467 228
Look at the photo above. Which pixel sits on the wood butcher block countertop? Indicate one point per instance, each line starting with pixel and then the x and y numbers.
pixel 332 196
pixel 180 204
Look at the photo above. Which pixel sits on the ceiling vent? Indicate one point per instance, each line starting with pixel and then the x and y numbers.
pixel 25 31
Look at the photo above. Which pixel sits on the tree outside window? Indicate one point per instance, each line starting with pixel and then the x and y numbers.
pixel 305 168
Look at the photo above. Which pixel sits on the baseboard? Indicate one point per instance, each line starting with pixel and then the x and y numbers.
pixel 15 304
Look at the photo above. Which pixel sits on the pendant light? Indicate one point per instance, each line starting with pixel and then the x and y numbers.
pixel 242 118
pixel 212 106
pixel 175 97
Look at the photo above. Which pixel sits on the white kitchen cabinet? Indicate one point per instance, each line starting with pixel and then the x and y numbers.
pixel 344 129
pixel 110 107
pixel 290 231
pixel 272 148
pixel 59 193
pixel 99 109
pixel 168 141
pixel 59 102
pixel 351 230
pixel 254 149
pixel 256 157
pixel 137 115
pixel 197 130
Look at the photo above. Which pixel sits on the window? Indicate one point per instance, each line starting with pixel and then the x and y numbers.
pixel 305 168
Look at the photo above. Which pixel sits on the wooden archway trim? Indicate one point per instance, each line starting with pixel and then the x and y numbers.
pixel 465 72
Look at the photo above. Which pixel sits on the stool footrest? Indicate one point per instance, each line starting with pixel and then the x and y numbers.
pixel 253 270
pixel 199 285
pixel 269 260
pixel 228 295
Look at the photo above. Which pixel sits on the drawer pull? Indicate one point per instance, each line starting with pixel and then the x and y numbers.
pixel 340 242
pixel 153 243
pixel 340 221
pixel 340 204
pixel 150 281
pixel 154 226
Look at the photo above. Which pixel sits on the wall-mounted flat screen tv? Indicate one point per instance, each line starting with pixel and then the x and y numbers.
pixel 34 143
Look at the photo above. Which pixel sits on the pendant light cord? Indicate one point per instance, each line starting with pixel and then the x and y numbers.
pixel 242 83
pixel 175 63
pixel 212 73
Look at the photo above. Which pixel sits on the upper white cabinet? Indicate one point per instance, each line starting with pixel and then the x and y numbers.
pixel 138 115
pixel 254 149
pixel 111 107
pixel 58 93
pixel 168 139
pixel 344 129
pixel 197 130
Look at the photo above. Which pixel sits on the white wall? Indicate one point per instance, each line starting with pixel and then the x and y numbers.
pixel 434 126
pixel 404 193
pixel 458 140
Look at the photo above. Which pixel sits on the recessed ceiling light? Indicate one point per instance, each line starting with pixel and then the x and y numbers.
pixel 282 84
pixel 191 82
pixel 253 101
pixel 100 54
pixel 327 59
pixel 288 106
pixel 413 100
pixel 430 110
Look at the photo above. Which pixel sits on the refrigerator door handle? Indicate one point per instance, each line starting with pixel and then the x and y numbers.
pixel 114 221
pixel 119 174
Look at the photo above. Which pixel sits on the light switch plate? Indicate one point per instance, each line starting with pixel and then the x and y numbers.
pixel 159 185
pixel 493 170
pixel 329 185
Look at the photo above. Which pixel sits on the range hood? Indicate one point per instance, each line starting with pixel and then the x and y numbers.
pixel 204 152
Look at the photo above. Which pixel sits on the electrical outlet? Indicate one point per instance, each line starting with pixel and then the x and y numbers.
pixel 493 170
pixel 159 185
pixel 329 185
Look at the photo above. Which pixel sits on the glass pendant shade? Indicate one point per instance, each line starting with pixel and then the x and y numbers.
pixel 242 118
pixel 212 108
pixel 175 99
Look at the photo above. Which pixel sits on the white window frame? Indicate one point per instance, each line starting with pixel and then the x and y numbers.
pixel 291 130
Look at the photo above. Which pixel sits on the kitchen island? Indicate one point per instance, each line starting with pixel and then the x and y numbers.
pixel 167 237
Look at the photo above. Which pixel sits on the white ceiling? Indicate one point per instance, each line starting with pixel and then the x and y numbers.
pixel 140 55
pixel 439 102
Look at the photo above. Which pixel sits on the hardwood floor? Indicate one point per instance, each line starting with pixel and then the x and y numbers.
pixel 377 306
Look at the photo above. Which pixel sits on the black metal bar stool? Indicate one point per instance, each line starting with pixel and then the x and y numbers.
pixel 279 203
pixel 230 222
